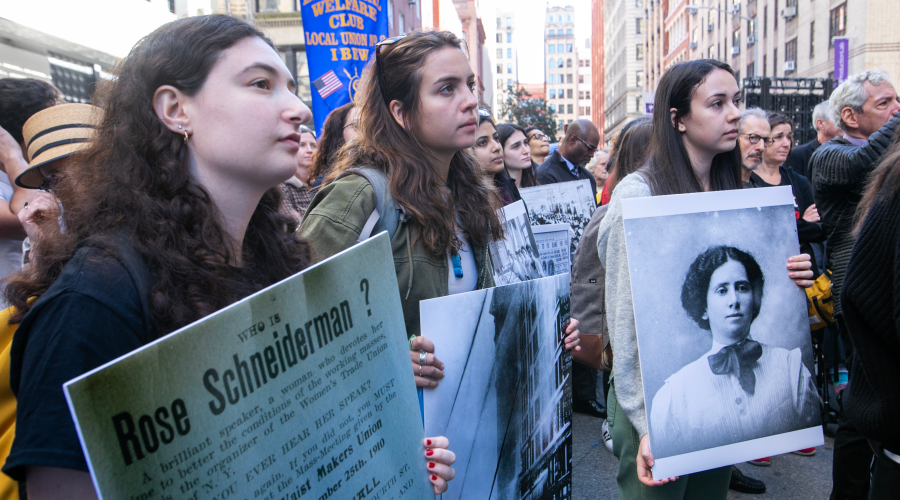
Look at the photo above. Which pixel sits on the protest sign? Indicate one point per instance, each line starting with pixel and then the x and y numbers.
pixel 570 203
pixel 727 365
pixel 516 256
pixel 302 390
pixel 506 399
pixel 340 39
pixel 553 242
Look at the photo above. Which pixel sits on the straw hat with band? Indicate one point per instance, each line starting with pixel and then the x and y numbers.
pixel 54 133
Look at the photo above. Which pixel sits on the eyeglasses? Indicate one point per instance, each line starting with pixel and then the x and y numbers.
pixel 753 138
pixel 378 46
pixel 590 148
pixel 484 113
pixel 538 136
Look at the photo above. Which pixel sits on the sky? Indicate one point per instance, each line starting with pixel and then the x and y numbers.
pixel 529 33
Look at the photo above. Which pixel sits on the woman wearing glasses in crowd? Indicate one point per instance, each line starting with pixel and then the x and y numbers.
pixel 517 155
pixel 692 149
pixel 171 214
pixel 771 173
pixel 539 144
pixel 418 123
pixel 489 155
pixel 339 129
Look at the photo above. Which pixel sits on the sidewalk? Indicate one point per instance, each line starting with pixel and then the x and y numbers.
pixel 790 477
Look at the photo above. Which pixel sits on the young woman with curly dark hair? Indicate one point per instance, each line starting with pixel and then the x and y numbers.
pixel 172 214
pixel 339 129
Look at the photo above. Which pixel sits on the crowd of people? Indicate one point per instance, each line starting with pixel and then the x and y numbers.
pixel 192 182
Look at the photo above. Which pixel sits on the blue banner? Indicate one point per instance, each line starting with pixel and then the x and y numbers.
pixel 340 39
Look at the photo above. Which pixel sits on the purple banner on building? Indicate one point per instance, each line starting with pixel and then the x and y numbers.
pixel 841 56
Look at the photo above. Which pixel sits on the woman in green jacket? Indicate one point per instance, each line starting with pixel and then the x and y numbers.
pixel 418 122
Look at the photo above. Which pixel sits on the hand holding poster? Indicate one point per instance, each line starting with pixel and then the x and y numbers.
pixel 301 390
pixel 506 398
pixel 722 331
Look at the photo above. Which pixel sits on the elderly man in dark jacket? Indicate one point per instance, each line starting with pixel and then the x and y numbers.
pixel 866 108
pixel 575 150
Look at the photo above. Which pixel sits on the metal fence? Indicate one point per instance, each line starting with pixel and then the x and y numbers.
pixel 795 97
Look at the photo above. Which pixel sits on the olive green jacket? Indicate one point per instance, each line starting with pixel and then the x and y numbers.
pixel 334 221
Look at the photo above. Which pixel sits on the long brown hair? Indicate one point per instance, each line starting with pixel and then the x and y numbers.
pixel 135 180
pixel 669 169
pixel 505 131
pixel 631 151
pixel 396 150
pixel 331 140
pixel 883 182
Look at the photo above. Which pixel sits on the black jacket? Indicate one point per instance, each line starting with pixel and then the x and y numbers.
pixel 839 171
pixel 807 232
pixel 798 160
pixel 506 188
pixel 554 170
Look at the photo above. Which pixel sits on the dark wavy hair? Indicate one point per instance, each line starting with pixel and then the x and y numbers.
pixel 669 169
pixel 20 98
pixel 331 140
pixel 631 150
pixel 135 179
pixel 776 118
pixel 397 151
pixel 505 131
pixel 696 283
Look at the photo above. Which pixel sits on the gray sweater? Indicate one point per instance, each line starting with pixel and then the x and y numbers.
pixel 619 305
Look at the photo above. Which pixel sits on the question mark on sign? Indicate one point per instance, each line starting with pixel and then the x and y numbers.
pixel 364 287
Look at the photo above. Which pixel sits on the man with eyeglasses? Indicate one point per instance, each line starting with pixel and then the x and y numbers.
pixel 753 137
pixel 575 150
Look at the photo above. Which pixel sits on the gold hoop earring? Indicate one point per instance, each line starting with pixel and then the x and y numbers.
pixel 186 137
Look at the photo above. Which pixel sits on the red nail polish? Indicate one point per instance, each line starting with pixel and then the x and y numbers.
pixel 428 442
pixel 431 465
pixel 429 452
pixel 434 478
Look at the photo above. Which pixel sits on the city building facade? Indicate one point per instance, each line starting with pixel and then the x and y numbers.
pixel 598 74
pixel 505 57
pixel 561 63
pixel 474 35
pixel 585 72
pixel 623 31
pixel 791 38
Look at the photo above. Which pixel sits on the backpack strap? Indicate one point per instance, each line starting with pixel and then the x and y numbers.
pixel 387 214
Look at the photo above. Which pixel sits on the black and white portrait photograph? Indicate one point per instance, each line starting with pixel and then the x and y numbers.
pixel 569 203
pixel 506 399
pixel 723 332
pixel 553 243
pixel 516 256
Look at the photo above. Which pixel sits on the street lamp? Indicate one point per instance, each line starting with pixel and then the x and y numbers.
pixel 693 10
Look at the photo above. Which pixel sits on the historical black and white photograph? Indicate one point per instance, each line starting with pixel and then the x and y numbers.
pixel 505 401
pixel 569 203
pixel 723 332
pixel 516 256
pixel 553 244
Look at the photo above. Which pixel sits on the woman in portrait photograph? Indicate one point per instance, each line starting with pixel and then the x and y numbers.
pixel 767 390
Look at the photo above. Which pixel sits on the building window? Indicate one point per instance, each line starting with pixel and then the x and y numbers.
pixel 509 53
pixel 581 94
pixel 499 23
pixel 559 63
pixel 509 38
pixel 552 33
pixel 580 78
pixel 569 94
pixel 568 47
pixel 638 24
pixel 509 68
pixel 552 78
pixel 587 63
pixel 587 95
pixel 552 48
pixel 568 32
pixel 750 71
pixel 639 80
pixel 401 25
pixel 812 39
pixel 499 69
pixel 736 38
pixel 637 104
pixel 711 53
pixel 553 108
pixel 638 3
pixel 765 20
pixel 568 108
pixel 775 62
pixel 390 14
pixel 552 63
pixel 763 67
pixel 499 37
pixel 790 51
pixel 640 52
pixel 499 53
pixel 569 79
pixel 838 25
pixel 587 110
pixel 509 22
pixel 695 35
pixel 560 48
pixel 172 6
pixel 552 93
pixel 568 63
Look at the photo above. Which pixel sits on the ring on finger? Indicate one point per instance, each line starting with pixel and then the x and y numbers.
pixel 422 357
